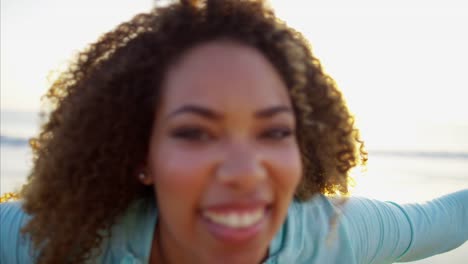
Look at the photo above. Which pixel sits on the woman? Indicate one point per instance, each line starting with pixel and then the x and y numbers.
pixel 204 132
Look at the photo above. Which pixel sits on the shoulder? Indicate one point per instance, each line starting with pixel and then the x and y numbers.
pixel 131 235
pixel 329 229
pixel 303 236
pixel 14 247
pixel 12 218
pixel 319 208
pixel 323 229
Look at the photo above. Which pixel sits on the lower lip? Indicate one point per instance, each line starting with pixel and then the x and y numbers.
pixel 235 235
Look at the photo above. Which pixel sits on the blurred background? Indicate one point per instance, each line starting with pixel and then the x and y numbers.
pixel 402 65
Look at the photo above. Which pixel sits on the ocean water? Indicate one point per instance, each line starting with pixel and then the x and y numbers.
pixel 403 176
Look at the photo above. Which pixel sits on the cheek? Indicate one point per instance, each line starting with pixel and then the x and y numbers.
pixel 179 174
pixel 286 167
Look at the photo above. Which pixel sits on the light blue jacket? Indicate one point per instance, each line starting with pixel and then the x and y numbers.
pixel 368 231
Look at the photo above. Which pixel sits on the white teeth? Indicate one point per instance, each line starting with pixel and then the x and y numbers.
pixel 235 220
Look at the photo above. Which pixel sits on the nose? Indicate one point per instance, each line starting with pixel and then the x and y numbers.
pixel 242 168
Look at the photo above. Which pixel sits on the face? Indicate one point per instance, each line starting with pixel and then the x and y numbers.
pixel 223 159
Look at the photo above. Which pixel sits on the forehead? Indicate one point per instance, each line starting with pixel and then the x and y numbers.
pixel 224 74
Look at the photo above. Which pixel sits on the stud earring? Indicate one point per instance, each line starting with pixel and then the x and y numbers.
pixel 142 176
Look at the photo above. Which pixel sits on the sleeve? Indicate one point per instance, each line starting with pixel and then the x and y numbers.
pixel 385 232
pixel 437 226
pixel 14 247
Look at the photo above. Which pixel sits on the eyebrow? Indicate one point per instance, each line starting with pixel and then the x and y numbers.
pixel 272 111
pixel 213 115
pixel 194 109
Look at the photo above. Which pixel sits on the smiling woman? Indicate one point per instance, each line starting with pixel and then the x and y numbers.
pixel 241 163
pixel 206 131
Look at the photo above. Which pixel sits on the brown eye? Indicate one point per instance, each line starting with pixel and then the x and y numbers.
pixel 191 134
pixel 277 133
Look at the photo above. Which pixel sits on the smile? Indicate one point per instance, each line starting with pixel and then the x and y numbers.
pixel 235 219
pixel 236 225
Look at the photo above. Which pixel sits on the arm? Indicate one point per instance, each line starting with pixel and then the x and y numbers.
pixel 384 232
pixel 437 226
pixel 14 248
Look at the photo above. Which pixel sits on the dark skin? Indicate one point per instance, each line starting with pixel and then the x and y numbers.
pixel 238 148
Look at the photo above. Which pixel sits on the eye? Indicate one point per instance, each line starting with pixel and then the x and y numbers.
pixel 277 133
pixel 191 134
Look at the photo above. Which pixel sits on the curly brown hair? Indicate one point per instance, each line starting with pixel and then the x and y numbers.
pixel 87 154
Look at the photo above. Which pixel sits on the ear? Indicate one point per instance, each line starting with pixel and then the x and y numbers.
pixel 144 175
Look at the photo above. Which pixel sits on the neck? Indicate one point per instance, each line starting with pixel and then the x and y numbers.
pixel 157 252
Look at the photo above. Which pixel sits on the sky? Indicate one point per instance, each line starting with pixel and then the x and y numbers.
pixel 402 65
